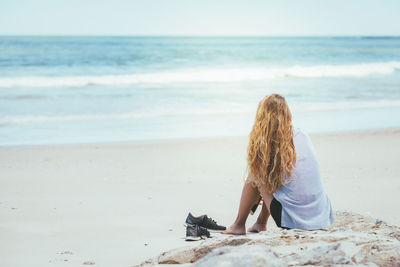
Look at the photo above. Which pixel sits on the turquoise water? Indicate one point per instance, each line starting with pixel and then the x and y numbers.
pixel 56 90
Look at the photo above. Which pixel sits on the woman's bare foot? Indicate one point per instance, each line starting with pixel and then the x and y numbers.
pixel 258 227
pixel 235 230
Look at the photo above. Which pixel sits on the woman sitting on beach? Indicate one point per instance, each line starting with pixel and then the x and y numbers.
pixel 284 171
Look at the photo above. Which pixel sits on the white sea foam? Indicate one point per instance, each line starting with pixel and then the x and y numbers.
pixel 207 75
pixel 211 111
pixel 21 119
pixel 342 105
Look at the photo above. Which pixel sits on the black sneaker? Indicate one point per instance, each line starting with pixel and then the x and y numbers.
pixel 204 221
pixel 195 232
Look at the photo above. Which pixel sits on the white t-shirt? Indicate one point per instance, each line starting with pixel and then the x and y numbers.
pixel 305 204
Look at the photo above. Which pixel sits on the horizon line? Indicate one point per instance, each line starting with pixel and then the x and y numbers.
pixel 189 36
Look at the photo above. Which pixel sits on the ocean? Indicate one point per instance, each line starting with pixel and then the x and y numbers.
pixel 72 90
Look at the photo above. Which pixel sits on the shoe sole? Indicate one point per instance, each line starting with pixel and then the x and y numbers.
pixel 210 230
pixel 215 231
pixel 193 238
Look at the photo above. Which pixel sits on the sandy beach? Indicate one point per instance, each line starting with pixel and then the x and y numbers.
pixel 119 118
pixel 120 204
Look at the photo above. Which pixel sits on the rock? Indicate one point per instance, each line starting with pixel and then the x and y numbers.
pixel 177 256
pixel 321 255
pixel 242 256
pixel 190 255
pixel 352 240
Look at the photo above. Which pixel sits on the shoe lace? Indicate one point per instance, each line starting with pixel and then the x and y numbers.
pixel 203 231
pixel 211 220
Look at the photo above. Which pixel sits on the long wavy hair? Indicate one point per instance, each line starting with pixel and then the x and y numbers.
pixel 271 154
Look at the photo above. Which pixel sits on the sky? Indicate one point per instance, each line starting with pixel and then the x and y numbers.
pixel 200 17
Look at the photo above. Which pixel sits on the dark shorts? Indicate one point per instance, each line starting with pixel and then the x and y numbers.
pixel 276 212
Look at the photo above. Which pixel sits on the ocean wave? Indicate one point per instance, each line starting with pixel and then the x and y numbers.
pixel 207 75
pixel 22 119
pixel 342 105
pixel 211 111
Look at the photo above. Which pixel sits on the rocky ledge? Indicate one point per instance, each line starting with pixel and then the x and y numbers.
pixel 352 240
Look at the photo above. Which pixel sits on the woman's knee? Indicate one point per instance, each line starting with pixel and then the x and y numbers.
pixel 267 197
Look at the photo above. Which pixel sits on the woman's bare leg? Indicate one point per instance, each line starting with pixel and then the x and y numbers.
pixel 261 223
pixel 250 196
pixel 267 197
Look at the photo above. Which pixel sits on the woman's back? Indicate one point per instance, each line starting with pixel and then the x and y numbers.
pixel 275 153
pixel 305 205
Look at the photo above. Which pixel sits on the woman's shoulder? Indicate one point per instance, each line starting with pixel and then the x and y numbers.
pixel 297 132
pixel 301 138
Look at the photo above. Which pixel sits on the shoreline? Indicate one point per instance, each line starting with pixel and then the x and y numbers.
pixel 122 203
pixel 194 139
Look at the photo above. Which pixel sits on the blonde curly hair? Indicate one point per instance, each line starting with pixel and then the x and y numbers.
pixel 271 154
